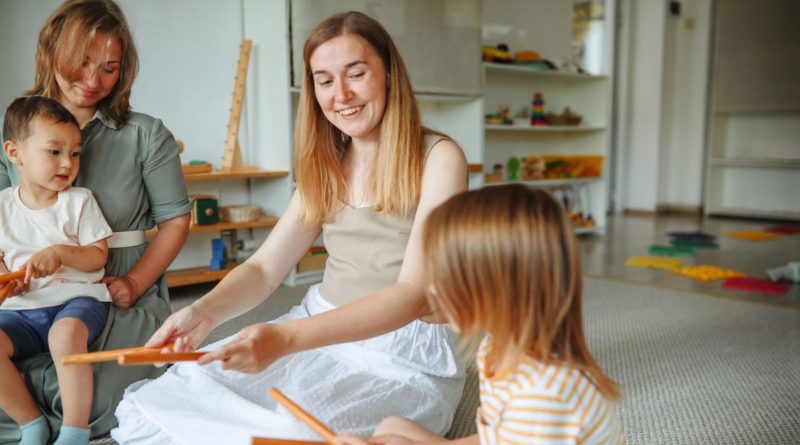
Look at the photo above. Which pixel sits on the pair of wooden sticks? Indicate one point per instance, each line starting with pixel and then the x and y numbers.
pixel 6 279
pixel 133 356
pixel 301 414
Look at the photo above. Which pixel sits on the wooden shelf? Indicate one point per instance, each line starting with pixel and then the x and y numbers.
pixel 475 168
pixel 259 223
pixel 756 163
pixel 196 275
pixel 548 182
pixel 527 70
pixel 219 175
pixel 545 128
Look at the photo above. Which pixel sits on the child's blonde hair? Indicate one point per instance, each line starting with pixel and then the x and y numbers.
pixel 504 260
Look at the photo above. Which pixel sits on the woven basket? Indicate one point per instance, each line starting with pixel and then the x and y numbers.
pixel 243 213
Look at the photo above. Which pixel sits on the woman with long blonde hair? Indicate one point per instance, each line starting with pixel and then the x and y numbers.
pixel 504 265
pixel 87 61
pixel 354 351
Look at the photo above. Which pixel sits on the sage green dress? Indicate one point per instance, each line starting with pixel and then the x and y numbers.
pixel 135 175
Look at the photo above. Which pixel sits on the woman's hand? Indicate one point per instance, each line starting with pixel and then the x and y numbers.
pixel 186 328
pixel 257 347
pixel 124 290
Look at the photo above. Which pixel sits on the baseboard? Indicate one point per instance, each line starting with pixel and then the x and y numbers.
pixel 667 209
pixel 679 209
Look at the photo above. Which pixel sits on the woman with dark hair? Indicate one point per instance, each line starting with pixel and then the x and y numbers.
pixel 355 350
pixel 86 60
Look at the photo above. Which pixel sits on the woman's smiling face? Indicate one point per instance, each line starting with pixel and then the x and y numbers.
pixel 350 85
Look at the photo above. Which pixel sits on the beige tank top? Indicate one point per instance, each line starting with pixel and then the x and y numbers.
pixel 365 249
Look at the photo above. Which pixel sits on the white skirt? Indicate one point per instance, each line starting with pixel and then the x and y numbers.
pixel 414 372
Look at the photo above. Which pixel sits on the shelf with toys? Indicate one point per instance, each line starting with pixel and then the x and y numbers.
pixel 549 129
pixel 209 217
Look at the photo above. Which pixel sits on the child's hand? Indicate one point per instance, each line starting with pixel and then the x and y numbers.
pixel 43 263
pixel 18 287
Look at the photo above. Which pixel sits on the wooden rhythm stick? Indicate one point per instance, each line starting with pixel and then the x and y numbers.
pixel 5 291
pixel 6 277
pixel 149 358
pixel 309 420
pixel 108 356
pixel 271 441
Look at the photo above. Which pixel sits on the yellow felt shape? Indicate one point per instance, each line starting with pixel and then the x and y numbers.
pixel 705 272
pixel 655 262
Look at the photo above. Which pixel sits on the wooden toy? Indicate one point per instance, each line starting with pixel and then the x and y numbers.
pixel 537 110
pixel 232 155
pixel 205 210
pixel 110 355
pixel 151 358
pixel 754 235
pixel 705 272
pixel 513 167
pixel 757 285
pixel 307 418
pixel 654 262
pixel 533 168
pixel 496 175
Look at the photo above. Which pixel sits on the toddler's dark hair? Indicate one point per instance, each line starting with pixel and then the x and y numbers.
pixel 16 125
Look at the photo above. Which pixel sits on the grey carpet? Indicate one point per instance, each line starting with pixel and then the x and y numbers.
pixel 697 369
pixel 694 369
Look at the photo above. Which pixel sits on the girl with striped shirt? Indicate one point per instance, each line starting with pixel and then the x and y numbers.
pixel 504 264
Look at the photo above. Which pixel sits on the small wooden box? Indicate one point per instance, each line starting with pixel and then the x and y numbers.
pixel 205 210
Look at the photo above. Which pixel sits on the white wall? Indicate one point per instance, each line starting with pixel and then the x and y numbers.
pixel 520 22
pixel 684 112
pixel 661 104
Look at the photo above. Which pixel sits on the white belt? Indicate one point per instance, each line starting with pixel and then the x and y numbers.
pixel 126 239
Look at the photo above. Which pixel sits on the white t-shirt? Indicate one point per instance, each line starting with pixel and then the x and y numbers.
pixel 75 219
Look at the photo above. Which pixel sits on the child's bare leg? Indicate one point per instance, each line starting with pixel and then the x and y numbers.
pixel 401 426
pixel 70 336
pixel 14 396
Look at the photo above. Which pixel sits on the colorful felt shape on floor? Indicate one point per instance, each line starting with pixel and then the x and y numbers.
pixel 698 244
pixel 758 285
pixel 694 235
pixel 784 230
pixel 707 272
pixel 672 251
pixel 655 262
pixel 754 235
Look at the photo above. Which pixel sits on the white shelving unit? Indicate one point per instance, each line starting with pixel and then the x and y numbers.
pixel 753 158
pixel 588 95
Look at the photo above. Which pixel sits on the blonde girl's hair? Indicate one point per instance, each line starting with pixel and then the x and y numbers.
pixel 320 147
pixel 62 46
pixel 504 260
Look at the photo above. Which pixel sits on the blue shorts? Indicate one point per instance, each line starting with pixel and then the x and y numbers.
pixel 28 328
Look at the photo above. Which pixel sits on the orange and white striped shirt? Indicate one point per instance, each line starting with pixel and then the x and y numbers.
pixel 543 403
